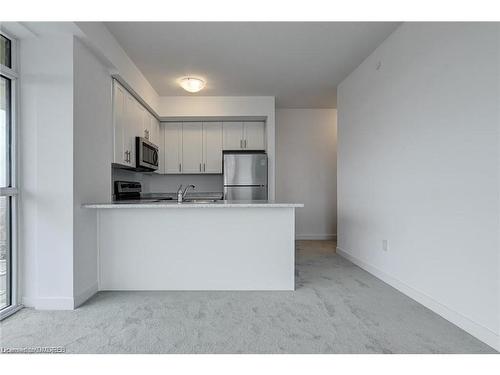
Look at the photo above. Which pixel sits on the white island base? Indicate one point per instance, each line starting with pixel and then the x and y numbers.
pixel 196 248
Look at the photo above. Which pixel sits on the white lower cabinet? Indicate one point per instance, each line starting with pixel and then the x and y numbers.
pixel 172 133
pixel 212 147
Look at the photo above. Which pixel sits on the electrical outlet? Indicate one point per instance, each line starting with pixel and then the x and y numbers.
pixel 385 245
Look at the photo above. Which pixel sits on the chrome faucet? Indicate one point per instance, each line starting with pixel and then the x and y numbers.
pixel 181 194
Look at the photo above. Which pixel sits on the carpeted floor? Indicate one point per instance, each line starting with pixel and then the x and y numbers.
pixel 337 308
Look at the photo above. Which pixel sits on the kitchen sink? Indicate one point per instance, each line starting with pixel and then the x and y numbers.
pixel 200 200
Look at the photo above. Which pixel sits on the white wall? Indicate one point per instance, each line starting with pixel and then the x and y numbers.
pixel 93 151
pixel 105 46
pixel 306 168
pixel 46 165
pixel 173 107
pixel 66 150
pixel 418 165
pixel 212 183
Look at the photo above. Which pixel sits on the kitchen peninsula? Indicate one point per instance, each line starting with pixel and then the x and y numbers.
pixel 244 242
pixel 222 245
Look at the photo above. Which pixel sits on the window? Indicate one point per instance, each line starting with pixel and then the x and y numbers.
pixel 8 188
pixel 5 51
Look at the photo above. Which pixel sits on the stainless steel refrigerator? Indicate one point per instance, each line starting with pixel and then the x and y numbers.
pixel 245 175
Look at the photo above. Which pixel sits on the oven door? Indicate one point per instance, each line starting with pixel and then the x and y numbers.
pixel 146 154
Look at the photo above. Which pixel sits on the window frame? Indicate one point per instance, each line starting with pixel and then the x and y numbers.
pixel 11 192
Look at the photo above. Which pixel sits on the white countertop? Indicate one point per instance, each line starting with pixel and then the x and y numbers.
pixel 217 204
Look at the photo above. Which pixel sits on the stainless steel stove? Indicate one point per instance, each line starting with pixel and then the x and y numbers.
pixel 131 192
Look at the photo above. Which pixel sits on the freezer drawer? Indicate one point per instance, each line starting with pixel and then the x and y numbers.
pixel 245 193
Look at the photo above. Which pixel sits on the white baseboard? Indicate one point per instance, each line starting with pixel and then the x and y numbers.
pixel 80 298
pixel 28 301
pixel 62 303
pixel 58 303
pixel 477 330
pixel 316 237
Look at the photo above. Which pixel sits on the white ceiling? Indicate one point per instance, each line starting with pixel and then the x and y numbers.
pixel 299 63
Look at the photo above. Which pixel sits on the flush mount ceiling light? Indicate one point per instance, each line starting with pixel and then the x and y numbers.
pixel 192 84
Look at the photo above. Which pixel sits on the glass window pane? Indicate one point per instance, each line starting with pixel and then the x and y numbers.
pixel 5 54
pixel 4 252
pixel 5 93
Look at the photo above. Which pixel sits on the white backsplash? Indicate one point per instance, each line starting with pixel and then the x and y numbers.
pixel 155 183
pixel 170 183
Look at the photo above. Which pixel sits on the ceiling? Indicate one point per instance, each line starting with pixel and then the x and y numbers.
pixel 300 63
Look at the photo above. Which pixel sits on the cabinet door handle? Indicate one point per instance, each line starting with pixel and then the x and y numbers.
pixel 241 143
pixel 245 143
pixel 200 167
pixel 203 167
pixel 180 167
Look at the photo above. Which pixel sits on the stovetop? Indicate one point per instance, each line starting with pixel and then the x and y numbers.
pixel 150 198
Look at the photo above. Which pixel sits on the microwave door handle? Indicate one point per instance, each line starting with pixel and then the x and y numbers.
pixel 155 157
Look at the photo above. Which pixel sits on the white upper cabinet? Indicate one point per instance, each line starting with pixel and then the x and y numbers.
pixel 130 120
pixel 248 135
pixel 254 135
pixel 150 127
pixel 133 121
pixel 144 123
pixel 154 130
pixel 192 147
pixel 161 149
pixel 189 147
pixel 156 137
pixel 172 132
pixel 232 135
pixel 120 154
pixel 212 147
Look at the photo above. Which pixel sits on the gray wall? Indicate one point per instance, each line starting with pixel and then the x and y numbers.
pixel 418 166
pixel 306 141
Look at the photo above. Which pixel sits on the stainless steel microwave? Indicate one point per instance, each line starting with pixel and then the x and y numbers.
pixel 146 154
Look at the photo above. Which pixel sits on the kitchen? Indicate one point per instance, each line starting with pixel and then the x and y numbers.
pixel 225 225
pixel 166 191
